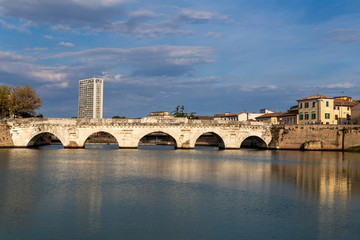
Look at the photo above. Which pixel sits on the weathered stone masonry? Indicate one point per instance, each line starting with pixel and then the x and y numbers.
pixel 5 136
pixel 128 132
pixel 73 132
pixel 315 137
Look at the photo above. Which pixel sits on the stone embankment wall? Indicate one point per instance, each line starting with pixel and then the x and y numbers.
pixel 5 136
pixel 315 137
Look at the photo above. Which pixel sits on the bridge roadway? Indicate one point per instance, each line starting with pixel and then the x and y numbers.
pixel 74 132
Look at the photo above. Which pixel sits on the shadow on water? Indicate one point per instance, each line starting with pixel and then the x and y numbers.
pixel 101 146
pixel 49 147
pixel 156 147
pixel 207 148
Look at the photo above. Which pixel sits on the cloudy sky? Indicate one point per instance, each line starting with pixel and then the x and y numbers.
pixel 210 56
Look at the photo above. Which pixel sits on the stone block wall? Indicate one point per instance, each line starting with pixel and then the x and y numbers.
pixel 315 137
pixel 5 136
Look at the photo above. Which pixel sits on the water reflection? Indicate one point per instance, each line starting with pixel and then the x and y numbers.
pixel 94 190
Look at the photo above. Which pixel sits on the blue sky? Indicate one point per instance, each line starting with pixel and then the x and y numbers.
pixel 210 56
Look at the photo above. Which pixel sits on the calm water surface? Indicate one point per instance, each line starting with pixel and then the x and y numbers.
pixel 106 193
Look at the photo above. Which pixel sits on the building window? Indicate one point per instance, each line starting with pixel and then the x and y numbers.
pixel 301 117
pixel 306 105
pixel 300 105
pixel 306 116
pixel 327 115
pixel 336 117
pixel 313 104
pixel 327 103
pixel 313 115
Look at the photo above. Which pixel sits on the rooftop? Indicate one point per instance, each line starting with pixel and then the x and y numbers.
pixel 268 115
pixel 315 97
pixel 341 102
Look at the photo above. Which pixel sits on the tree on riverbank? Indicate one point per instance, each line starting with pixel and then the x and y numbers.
pixel 5 100
pixel 18 101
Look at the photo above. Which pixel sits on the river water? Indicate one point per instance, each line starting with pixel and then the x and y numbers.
pixel 107 193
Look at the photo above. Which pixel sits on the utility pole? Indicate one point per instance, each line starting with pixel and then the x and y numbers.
pixel 342 93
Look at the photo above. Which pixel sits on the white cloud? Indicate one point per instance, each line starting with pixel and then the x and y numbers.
pixel 255 87
pixel 36 49
pixel 340 85
pixel 57 85
pixel 345 34
pixel 104 16
pixel 110 77
pixel 97 3
pixel 48 74
pixel 12 56
pixel 66 44
pixel 48 37
pixel 213 35
pixel 20 28
pixel 162 60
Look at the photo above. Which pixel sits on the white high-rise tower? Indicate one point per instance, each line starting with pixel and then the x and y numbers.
pixel 91 98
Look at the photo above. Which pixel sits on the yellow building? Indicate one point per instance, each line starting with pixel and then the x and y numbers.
pixel 342 109
pixel 316 109
pixel 321 109
pixel 355 114
pixel 272 118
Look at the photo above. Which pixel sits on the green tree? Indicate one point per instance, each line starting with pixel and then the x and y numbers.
pixel 192 116
pixel 180 112
pixel 24 101
pixel 5 100
pixel 118 117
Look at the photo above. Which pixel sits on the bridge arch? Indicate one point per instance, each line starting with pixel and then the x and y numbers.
pixel 253 141
pixel 159 137
pixel 219 137
pixel 210 139
pixel 41 136
pixel 88 134
pixel 101 137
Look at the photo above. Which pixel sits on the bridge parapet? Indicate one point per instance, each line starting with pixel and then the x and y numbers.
pixel 128 132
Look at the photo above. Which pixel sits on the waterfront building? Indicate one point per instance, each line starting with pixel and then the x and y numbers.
pixel 318 109
pixel 226 116
pixel 342 109
pixel 272 118
pixel 355 114
pixel 243 116
pixel 289 117
pixel 91 98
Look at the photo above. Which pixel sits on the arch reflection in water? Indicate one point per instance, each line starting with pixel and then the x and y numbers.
pixel 209 141
pixel 157 141
pixel 253 142
pixel 101 140
pixel 44 139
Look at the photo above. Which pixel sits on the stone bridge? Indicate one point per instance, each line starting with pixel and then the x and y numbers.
pixel 74 132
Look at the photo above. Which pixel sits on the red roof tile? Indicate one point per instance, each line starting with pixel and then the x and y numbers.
pixel 314 97
pixel 340 102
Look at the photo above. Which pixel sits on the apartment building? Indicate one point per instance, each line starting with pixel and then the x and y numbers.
pixel 91 98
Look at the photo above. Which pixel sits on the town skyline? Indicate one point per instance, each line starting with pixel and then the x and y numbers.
pixel 210 57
